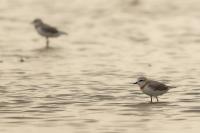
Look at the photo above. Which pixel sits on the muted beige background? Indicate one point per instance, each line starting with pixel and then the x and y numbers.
pixel 82 83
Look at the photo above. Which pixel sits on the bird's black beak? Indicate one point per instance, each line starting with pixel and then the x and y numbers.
pixel 134 83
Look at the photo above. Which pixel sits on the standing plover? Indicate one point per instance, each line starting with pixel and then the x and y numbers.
pixel 151 87
pixel 46 30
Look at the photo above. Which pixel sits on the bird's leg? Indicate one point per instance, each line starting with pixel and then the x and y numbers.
pixel 157 99
pixel 47 42
pixel 151 99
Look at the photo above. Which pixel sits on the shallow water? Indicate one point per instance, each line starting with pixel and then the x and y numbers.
pixel 82 83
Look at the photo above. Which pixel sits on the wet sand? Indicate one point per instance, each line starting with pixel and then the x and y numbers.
pixel 82 83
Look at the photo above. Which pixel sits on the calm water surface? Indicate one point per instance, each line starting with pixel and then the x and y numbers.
pixel 82 83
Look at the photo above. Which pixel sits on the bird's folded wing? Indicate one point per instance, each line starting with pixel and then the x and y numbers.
pixel 158 86
pixel 49 29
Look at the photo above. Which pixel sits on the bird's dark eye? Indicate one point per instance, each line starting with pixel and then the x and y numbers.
pixel 140 80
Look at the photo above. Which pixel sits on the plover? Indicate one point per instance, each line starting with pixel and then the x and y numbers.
pixel 46 30
pixel 151 87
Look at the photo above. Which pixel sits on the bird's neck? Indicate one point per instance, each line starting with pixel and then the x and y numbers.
pixel 143 86
pixel 38 25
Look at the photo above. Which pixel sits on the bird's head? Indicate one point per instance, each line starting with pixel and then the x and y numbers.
pixel 141 81
pixel 37 21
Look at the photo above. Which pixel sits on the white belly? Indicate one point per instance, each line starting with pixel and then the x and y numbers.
pixel 152 92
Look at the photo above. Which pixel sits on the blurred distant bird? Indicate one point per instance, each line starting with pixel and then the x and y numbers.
pixel 46 30
pixel 151 87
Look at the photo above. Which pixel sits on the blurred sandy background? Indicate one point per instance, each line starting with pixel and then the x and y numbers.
pixel 81 84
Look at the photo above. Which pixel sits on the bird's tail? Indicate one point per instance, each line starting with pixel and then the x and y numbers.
pixel 171 87
pixel 63 33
